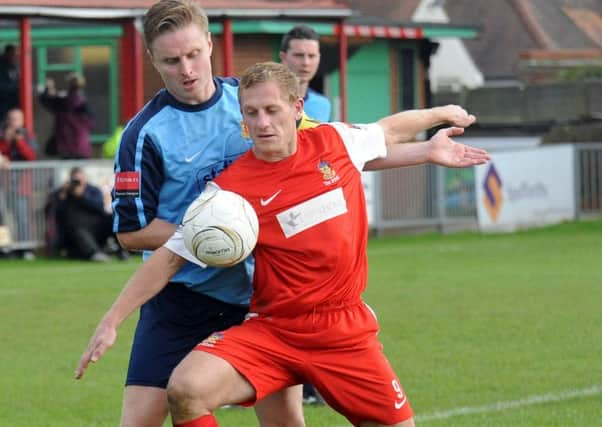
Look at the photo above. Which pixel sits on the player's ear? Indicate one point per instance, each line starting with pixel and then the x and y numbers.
pixel 152 58
pixel 282 55
pixel 299 108
pixel 209 43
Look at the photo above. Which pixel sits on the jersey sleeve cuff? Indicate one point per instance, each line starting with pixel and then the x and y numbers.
pixel 176 245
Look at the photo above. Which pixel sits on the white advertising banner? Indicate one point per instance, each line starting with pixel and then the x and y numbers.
pixel 526 188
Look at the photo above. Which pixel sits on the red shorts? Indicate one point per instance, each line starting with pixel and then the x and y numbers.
pixel 337 351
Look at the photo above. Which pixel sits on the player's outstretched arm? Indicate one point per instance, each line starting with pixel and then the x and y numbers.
pixel 441 150
pixel 403 127
pixel 147 281
pixel 444 151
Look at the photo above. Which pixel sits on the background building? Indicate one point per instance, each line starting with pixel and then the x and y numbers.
pixel 370 66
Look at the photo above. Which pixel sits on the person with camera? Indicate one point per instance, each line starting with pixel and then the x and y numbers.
pixel 84 224
pixel 73 119
pixel 16 144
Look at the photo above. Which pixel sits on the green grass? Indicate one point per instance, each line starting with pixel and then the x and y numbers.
pixel 468 320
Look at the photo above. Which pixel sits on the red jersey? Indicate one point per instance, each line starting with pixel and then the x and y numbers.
pixel 313 227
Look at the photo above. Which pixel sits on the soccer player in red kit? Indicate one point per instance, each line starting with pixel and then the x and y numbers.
pixel 308 322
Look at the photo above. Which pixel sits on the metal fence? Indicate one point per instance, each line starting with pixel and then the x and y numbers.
pixel 24 191
pixel 588 168
pixel 424 198
pixel 409 199
pixel 434 198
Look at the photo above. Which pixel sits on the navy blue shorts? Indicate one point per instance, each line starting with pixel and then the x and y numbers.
pixel 170 325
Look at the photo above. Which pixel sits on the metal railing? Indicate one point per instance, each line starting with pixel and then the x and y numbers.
pixel 588 182
pixel 424 197
pixel 432 197
pixel 24 191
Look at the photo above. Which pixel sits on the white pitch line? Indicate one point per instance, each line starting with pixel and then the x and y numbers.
pixel 502 406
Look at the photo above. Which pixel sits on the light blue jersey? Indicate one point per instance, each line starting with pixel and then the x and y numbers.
pixel 167 154
pixel 317 106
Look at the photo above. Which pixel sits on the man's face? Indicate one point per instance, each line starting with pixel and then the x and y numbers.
pixel 183 59
pixel 15 119
pixel 79 177
pixel 302 58
pixel 271 120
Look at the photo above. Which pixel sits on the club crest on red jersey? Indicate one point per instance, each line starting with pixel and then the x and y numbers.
pixel 329 175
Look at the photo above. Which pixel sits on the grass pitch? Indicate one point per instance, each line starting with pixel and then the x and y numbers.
pixel 483 330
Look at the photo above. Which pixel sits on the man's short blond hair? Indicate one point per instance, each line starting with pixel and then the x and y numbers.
pixel 171 15
pixel 271 71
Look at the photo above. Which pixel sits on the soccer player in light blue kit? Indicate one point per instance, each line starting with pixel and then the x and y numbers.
pixel 300 52
pixel 183 138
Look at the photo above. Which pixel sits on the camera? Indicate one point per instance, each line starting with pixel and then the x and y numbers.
pixel 73 184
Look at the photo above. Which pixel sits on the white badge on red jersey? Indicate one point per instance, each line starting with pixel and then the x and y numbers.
pixel 312 212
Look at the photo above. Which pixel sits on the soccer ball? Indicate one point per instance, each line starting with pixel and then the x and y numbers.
pixel 220 228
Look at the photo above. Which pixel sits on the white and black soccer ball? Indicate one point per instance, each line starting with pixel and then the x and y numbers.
pixel 220 228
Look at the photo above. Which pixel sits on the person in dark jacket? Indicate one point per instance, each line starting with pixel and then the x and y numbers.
pixel 9 80
pixel 84 223
pixel 73 119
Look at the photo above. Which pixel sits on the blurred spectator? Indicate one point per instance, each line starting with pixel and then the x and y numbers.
pixel 300 52
pixel 15 141
pixel 9 80
pixel 83 226
pixel 73 119
pixel 16 144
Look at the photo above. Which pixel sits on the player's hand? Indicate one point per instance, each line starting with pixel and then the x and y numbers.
pixel 104 337
pixel 457 116
pixel 445 151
